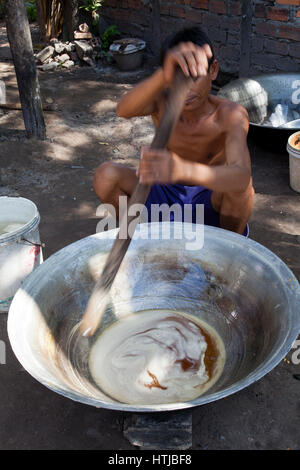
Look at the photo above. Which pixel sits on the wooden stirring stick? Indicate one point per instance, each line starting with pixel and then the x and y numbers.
pixel 100 296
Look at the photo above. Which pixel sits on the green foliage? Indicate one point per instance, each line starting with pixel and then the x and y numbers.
pixel 92 5
pixel 31 11
pixel 108 37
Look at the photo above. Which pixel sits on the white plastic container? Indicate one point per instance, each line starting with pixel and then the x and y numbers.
pixel 294 161
pixel 20 246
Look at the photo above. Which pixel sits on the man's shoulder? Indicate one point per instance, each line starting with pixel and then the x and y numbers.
pixel 231 113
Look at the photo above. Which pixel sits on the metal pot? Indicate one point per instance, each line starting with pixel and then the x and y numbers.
pixel 128 53
pixel 260 94
pixel 245 292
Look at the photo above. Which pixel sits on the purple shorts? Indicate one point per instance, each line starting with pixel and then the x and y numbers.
pixel 176 193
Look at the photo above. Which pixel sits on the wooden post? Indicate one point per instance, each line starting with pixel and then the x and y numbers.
pixel 19 37
pixel 156 28
pixel 246 30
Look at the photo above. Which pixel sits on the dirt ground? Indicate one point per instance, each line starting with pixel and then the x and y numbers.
pixel 56 174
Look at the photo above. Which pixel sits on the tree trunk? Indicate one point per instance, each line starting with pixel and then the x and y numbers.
pixel 40 19
pixel 71 17
pixel 50 18
pixel 19 37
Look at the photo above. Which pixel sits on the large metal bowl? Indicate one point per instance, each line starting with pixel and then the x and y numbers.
pixel 236 285
pixel 260 94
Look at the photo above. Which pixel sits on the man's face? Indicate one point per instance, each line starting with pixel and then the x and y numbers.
pixel 201 88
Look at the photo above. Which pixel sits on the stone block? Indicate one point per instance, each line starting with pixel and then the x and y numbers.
pixel 44 54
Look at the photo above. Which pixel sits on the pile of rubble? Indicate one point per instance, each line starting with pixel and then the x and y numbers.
pixel 85 49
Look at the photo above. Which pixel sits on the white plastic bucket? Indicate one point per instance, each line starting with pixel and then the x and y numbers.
pixel 294 161
pixel 20 246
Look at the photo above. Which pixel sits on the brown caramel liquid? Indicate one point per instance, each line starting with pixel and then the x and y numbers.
pixel 212 352
pixel 296 143
pixel 125 339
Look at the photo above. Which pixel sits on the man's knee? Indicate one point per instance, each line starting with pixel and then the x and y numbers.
pixel 106 179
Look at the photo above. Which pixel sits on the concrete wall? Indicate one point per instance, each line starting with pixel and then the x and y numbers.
pixel 249 36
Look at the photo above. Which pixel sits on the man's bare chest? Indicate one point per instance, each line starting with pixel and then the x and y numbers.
pixel 201 145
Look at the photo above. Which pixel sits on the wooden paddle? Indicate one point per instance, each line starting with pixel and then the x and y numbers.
pixel 100 296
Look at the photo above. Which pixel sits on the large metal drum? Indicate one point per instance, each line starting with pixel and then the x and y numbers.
pixel 245 292
pixel 270 125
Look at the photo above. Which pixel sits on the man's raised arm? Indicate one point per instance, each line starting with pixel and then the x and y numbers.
pixel 140 101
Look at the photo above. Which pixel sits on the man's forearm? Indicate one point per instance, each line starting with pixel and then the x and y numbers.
pixel 142 95
pixel 221 178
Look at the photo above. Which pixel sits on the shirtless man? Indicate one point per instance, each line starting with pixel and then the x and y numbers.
pixel 207 160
